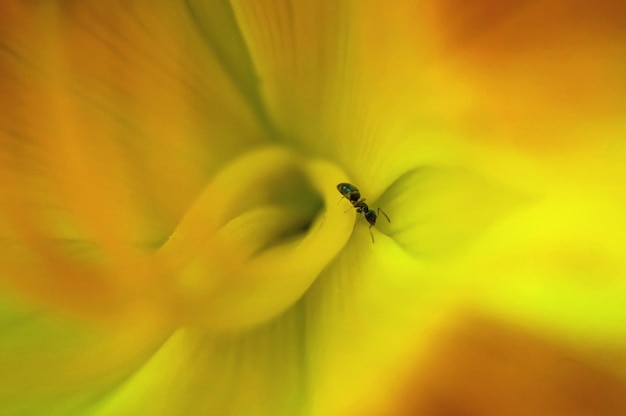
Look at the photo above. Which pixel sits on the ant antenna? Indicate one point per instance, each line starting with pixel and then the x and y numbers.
pixel 386 216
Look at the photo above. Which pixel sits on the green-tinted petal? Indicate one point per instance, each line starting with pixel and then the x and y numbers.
pixel 56 365
pixel 438 212
pixel 260 373
pixel 354 81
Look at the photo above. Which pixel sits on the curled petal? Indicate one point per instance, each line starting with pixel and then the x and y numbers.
pixel 240 256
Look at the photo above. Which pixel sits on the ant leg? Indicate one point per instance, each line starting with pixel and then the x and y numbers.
pixel 339 200
pixel 386 216
pixel 343 197
pixel 347 198
pixel 372 234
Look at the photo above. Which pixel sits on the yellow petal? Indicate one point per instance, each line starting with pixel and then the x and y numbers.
pixel 558 267
pixel 367 317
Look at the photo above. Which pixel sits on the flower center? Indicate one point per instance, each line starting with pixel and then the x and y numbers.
pixel 255 239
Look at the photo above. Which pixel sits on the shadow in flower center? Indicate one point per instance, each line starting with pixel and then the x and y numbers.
pixel 294 194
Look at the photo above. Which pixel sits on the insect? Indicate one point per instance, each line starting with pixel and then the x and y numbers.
pixel 352 194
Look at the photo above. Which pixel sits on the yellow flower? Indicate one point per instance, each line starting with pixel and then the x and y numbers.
pixel 173 241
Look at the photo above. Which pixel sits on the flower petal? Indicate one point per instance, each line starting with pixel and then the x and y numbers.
pixel 124 77
pixel 110 125
pixel 535 72
pixel 258 373
pixel 557 266
pixel 488 366
pixel 367 316
pixel 438 212
pixel 52 364
pixel 353 81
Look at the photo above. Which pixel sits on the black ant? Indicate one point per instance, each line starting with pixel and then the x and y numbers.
pixel 352 194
